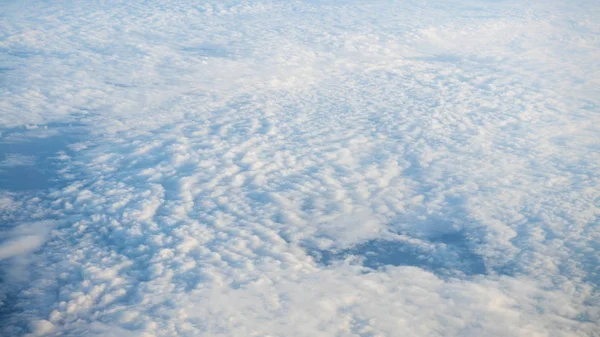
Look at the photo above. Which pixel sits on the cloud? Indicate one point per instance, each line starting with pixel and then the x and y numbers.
pixel 24 238
pixel 305 168
pixel 15 160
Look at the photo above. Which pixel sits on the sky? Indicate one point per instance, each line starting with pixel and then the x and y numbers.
pixel 300 168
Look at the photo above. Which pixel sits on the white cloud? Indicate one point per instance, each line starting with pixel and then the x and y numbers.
pixel 24 238
pixel 244 165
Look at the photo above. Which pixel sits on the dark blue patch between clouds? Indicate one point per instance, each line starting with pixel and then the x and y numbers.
pixel 43 173
pixel 453 255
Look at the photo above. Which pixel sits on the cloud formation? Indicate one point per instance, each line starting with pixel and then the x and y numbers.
pixel 301 168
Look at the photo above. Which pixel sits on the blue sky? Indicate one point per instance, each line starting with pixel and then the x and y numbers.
pixel 299 168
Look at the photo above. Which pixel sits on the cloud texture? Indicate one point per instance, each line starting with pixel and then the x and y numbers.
pixel 300 168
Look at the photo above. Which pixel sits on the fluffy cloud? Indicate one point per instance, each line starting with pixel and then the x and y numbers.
pixel 305 168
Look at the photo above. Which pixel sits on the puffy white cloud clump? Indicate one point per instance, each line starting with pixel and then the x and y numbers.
pixel 300 168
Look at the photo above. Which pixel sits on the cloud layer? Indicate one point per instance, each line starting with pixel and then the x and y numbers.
pixel 300 168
